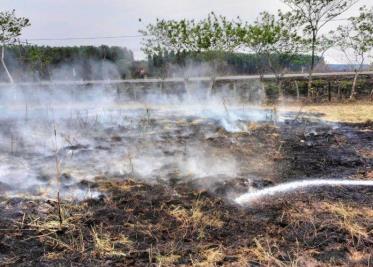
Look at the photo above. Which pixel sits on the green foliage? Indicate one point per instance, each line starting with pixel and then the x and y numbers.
pixel 275 39
pixel 11 27
pixel 271 34
pixel 211 34
pixel 356 38
pixel 311 16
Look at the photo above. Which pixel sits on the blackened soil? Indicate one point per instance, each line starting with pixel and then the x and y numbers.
pixel 184 224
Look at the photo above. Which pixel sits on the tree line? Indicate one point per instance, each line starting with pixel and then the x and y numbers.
pixel 169 64
pixel 32 62
pixel 276 43
pixel 281 36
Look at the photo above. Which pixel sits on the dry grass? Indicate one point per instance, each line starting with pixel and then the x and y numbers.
pixel 365 152
pixel 264 253
pixel 107 246
pixel 195 219
pixel 352 220
pixel 209 257
pixel 337 112
pixel 167 260
pixel 52 256
pixel 317 221
pixel 359 257
pixel 200 231
pixel 267 252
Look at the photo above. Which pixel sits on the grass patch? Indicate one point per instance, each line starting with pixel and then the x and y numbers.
pixel 354 112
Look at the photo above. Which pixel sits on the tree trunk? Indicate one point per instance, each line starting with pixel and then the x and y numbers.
pixel 371 95
pixel 339 92
pixel 329 91
pixel 263 89
pixel 4 65
pixel 211 87
pixel 280 91
pixel 309 86
pixel 310 90
pixel 297 89
pixel 235 89
pixel 187 88
pixel 161 86
pixel 353 89
pixel 213 79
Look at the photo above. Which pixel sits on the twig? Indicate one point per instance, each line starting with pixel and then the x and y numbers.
pixel 59 209
pixel 225 107
pixel 131 164
pixel 14 229
pixel 300 111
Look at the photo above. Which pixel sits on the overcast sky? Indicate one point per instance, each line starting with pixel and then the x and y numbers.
pixel 57 19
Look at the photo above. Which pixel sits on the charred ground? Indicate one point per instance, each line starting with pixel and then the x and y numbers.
pixel 178 222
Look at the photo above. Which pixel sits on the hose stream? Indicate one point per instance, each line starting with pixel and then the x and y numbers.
pixel 293 186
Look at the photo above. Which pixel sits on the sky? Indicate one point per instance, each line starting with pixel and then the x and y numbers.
pixel 61 19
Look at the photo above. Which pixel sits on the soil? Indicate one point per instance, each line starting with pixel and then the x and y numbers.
pixel 178 222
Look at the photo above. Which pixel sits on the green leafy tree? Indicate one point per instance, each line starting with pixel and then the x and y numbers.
pixel 215 33
pixel 10 29
pixel 312 16
pixel 276 41
pixel 211 34
pixel 356 42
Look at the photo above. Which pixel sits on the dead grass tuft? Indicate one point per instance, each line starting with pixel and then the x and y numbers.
pixel 352 220
pixel 106 246
pixel 209 257
pixel 195 219
pixel 264 253
pixel 52 256
pixel 167 260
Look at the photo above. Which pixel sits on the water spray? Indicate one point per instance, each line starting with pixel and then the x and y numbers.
pixel 272 191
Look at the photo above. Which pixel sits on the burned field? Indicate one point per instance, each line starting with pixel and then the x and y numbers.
pixel 144 185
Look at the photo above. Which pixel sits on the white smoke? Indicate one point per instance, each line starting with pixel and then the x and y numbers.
pixel 79 133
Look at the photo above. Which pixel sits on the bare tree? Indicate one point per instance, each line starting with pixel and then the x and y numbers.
pixel 10 29
pixel 312 16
